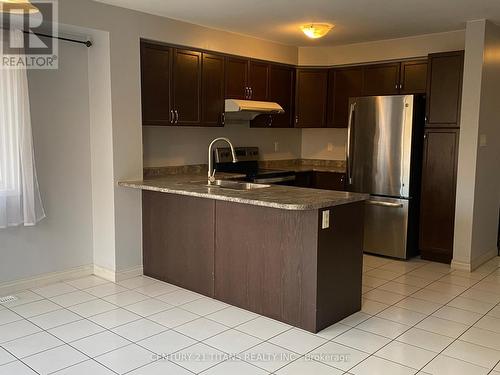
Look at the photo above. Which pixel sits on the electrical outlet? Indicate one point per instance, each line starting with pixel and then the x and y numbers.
pixel 326 220
pixel 330 147
pixel 276 146
pixel 483 141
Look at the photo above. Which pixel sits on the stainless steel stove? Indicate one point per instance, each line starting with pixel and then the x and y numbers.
pixel 248 164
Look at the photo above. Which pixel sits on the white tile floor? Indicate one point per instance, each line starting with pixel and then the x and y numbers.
pixel 417 317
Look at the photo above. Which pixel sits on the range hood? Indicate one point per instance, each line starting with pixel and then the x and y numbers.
pixel 249 109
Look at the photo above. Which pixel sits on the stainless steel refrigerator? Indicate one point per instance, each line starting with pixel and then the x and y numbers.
pixel 383 160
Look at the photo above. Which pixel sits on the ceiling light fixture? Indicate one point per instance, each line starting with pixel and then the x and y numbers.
pixel 18 7
pixel 316 30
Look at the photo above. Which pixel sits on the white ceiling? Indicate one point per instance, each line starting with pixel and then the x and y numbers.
pixel 356 20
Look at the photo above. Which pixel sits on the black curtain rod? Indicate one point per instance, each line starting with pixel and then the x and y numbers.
pixel 87 43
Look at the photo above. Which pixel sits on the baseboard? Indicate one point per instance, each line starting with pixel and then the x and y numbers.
pixel 461 266
pixel 475 263
pixel 104 273
pixel 38 281
pixel 44 279
pixel 129 273
pixel 116 276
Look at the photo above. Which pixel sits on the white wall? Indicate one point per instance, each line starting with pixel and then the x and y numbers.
pixel 391 49
pixel 326 144
pixel 101 136
pixel 169 146
pixel 478 180
pixel 60 120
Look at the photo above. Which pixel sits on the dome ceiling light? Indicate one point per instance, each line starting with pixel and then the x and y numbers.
pixel 316 30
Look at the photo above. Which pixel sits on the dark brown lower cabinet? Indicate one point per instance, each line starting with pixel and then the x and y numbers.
pixel 281 264
pixel 329 181
pixel 437 210
pixel 321 180
pixel 278 263
pixel 178 240
pixel 304 179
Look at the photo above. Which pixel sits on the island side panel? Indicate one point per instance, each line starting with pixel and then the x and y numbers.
pixel 340 264
pixel 265 261
pixel 178 240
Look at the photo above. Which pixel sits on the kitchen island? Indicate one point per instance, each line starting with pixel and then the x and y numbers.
pixel 292 254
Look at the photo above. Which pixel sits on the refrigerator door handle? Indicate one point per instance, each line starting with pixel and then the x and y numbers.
pixel 350 129
pixel 385 204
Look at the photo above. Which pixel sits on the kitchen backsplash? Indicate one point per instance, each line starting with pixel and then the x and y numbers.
pixel 180 146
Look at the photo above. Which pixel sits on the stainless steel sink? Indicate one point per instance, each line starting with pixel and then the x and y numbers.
pixel 234 185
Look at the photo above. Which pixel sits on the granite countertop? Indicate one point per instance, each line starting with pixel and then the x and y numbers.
pixel 276 196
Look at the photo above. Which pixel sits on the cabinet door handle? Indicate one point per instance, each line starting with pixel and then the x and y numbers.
pixel 171 116
pixel 296 119
pixel 223 119
pixel 251 92
pixel 247 93
pixel 176 116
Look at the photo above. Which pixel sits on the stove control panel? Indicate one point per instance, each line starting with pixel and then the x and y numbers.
pixel 223 154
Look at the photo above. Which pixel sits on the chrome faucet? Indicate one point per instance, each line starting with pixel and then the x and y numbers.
pixel 211 170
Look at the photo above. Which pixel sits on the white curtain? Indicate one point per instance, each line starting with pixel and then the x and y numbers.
pixel 20 201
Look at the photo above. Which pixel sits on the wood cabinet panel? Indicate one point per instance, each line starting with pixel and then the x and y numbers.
pixel 298 282
pixel 311 101
pixel 155 84
pixel 414 77
pixel 281 91
pixel 262 281
pixel 183 256
pixel 304 179
pixel 212 89
pixel 444 89
pixel 258 79
pixel 348 83
pixel 329 181
pixel 236 78
pixel 186 90
pixel 381 79
pixel 342 243
pixel 437 212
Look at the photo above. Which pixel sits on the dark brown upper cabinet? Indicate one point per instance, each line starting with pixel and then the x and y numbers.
pixel 186 90
pixel 413 77
pixel 236 78
pixel 281 91
pixel 311 98
pixel 212 90
pixel 348 83
pixel 381 79
pixel 247 79
pixel 437 202
pixel 258 80
pixel 156 68
pixel 444 89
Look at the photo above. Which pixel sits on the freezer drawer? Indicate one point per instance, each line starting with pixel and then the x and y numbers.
pixel 386 227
